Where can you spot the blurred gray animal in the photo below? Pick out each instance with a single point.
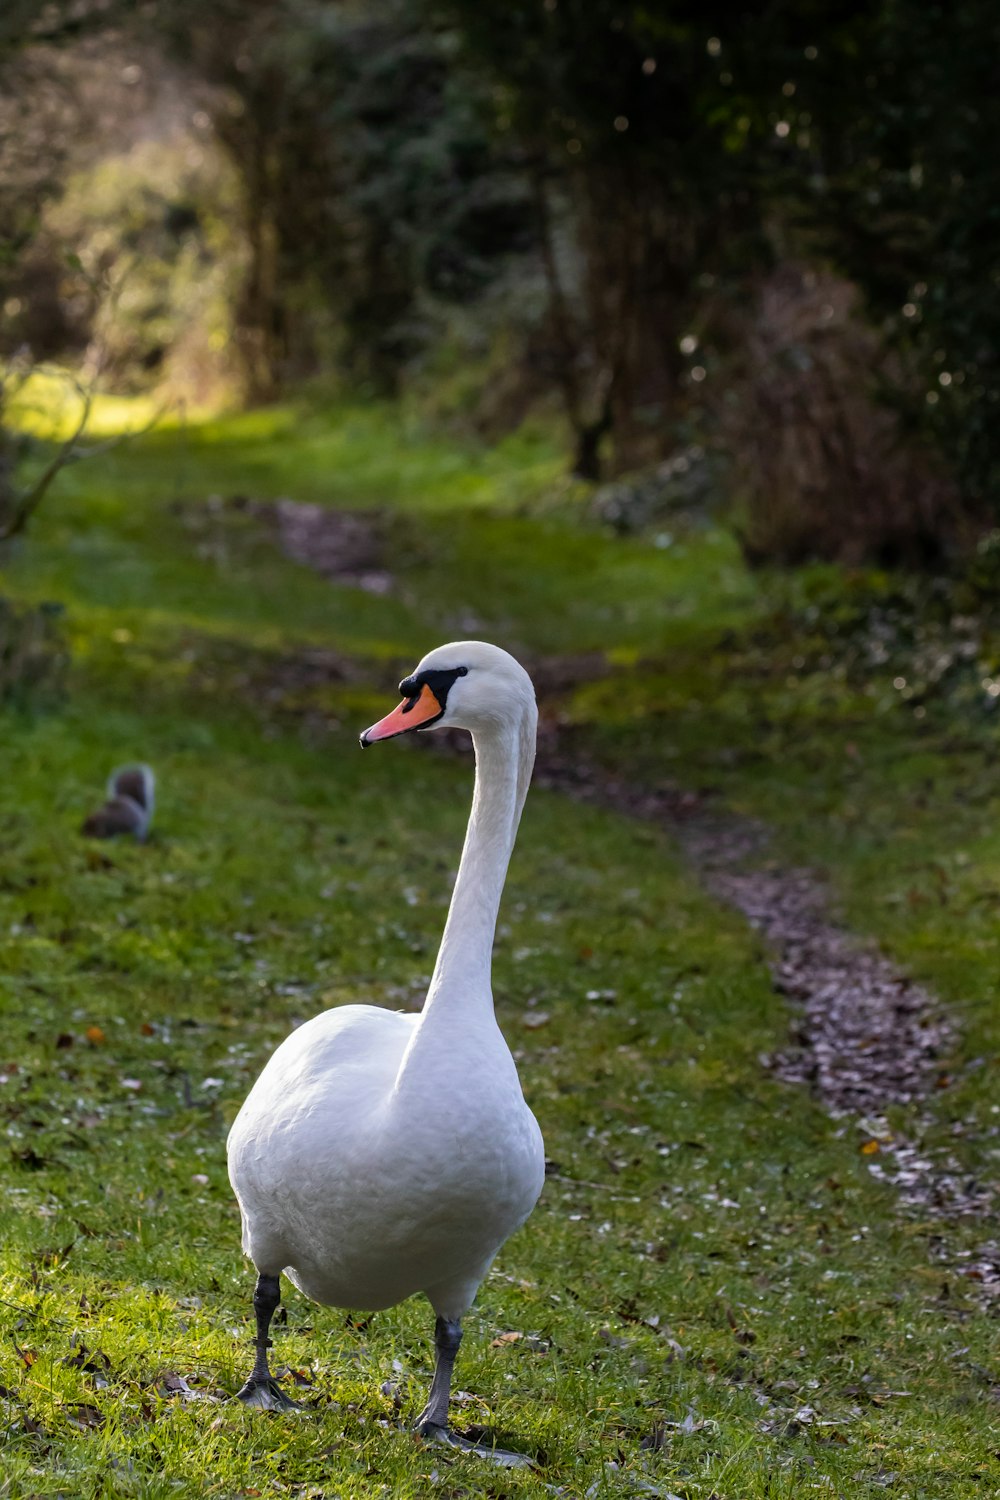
(129, 808)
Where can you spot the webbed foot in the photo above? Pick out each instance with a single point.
(433, 1432)
(266, 1395)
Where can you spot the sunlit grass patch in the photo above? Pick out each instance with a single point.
(50, 403)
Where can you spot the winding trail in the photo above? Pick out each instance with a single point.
(864, 1035)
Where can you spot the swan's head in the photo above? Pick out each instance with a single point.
(465, 685)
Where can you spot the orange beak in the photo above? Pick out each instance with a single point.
(411, 714)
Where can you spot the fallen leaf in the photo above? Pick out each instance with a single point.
(95, 1036)
(175, 1385)
(84, 1417)
(505, 1338)
(94, 1362)
(178, 1385)
(869, 1148)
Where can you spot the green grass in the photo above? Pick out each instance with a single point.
(712, 1269)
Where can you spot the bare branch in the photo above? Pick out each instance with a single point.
(20, 507)
(94, 450)
(27, 502)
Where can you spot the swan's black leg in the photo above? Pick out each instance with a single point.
(433, 1420)
(261, 1389)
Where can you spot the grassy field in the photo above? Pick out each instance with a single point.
(714, 1297)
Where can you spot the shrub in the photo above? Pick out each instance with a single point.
(823, 466)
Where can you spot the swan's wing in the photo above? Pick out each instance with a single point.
(306, 1126)
(339, 1054)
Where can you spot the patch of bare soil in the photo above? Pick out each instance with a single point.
(866, 1037)
(345, 546)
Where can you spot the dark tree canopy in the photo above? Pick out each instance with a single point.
(643, 168)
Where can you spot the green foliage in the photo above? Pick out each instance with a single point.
(661, 136)
(912, 208)
(681, 88)
(620, 177)
(372, 188)
(427, 206)
(152, 232)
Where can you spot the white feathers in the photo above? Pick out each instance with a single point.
(381, 1154)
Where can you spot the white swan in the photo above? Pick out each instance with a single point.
(381, 1154)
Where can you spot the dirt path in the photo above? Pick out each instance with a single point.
(864, 1036)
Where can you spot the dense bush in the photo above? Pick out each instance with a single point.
(821, 464)
(152, 231)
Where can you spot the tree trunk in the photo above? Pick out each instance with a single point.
(587, 460)
(260, 314)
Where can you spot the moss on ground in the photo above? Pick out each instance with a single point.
(714, 1296)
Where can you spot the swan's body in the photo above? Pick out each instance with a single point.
(364, 1193)
(381, 1154)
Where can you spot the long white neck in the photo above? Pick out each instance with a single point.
(504, 758)
(459, 1001)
